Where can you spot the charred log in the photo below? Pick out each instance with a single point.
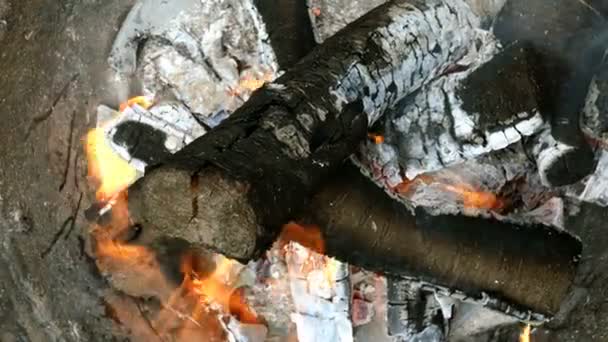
(273, 152)
(530, 266)
(460, 116)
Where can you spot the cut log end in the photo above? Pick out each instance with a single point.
(207, 209)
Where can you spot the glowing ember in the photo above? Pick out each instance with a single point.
(143, 101)
(471, 197)
(214, 289)
(525, 334)
(376, 138)
(307, 236)
(476, 199)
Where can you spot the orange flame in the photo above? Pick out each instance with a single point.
(213, 288)
(249, 83)
(376, 138)
(143, 101)
(106, 168)
(471, 197)
(134, 268)
(308, 236)
(525, 334)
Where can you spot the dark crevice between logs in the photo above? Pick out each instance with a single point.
(289, 29)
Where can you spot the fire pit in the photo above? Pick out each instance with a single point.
(343, 171)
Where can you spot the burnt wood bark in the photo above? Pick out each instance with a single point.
(568, 40)
(529, 265)
(285, 140)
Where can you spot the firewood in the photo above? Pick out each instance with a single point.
(528, 265)
(232, 189)
(273, 152)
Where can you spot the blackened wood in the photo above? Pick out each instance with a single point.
(567, 40)
(501, 90)
(288, 26)
(286, 139)
(528, 265)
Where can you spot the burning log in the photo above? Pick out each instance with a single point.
(531, 266)
(232, 189)
(273, 152)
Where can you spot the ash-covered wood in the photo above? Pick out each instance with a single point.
(477, 108)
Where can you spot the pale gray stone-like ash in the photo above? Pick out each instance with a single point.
(199, 53)
(419, 43)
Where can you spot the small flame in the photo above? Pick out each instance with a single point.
(525, 334)
(376, 138)
(106, 168)
(476, 199)
(143, 101)
(471, 197)
(308, 236)
(214, 288)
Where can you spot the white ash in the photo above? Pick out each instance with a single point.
(594, 121)
(199, 53)
(295, 286)
(321, 296)
(551, 213)
(240, 332)
(431, 36)
(547, 152)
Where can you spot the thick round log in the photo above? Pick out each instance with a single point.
(529, 265)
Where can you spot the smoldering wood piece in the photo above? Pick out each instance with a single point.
(274, 150)
(459, 117)
(530, 266)
(569, 41)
